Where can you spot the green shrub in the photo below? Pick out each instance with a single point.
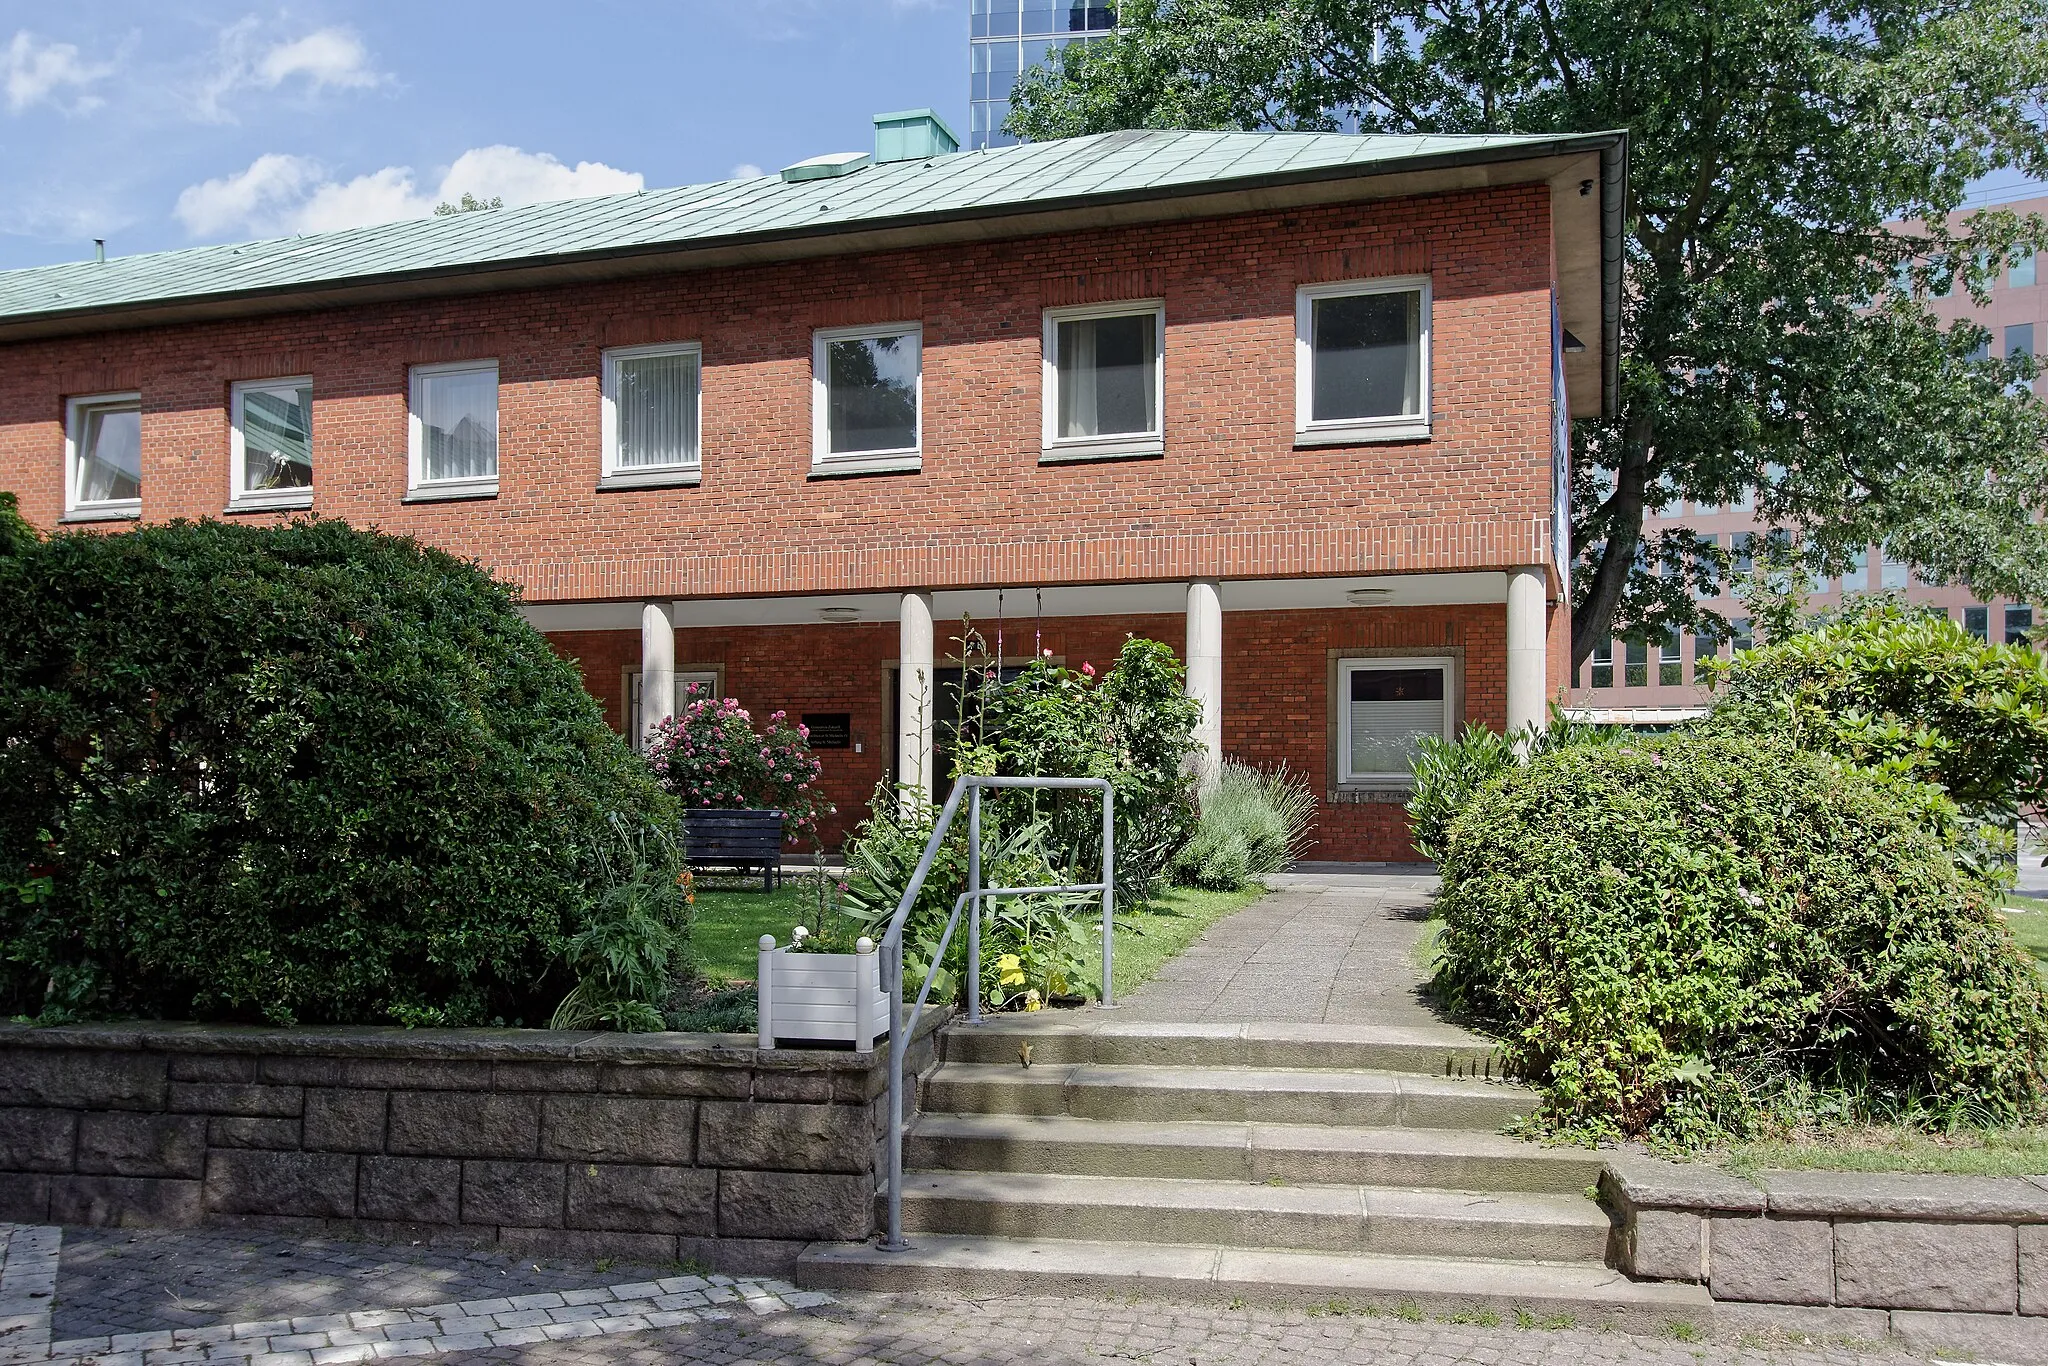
(300, 773)
(1449, 773)
(1677, 934)
(1906, 691)
(1252, 824)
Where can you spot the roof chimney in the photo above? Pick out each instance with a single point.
(913, 135)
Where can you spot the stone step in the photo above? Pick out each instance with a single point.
(1098, 1037)
(1380, 1100)
(1431, 1223)
(1455, 1159)
(1553, 1295)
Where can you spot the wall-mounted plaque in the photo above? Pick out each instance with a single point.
(829, 729)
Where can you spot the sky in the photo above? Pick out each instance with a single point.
(158, 124)
(178, 122)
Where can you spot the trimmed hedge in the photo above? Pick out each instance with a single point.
(1682, 936)
(297, 774)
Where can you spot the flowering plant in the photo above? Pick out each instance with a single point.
(710, 755)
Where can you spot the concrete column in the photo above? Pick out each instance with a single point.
(1528, 666)
(657, 668)
(916, 696)
(1205, 673)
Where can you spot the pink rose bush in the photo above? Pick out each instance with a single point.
(710, 755)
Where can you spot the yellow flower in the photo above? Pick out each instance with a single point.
(1031, 1000)
(1010, 970)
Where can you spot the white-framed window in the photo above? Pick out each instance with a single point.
(1384, 708)
(1361, 361)
(1105, 383)
(270, 437)
(103, 456)
(867, 398)
(691, 685)
(454, 430)
(653, 402)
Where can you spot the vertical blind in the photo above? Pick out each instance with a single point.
(1390, 710)
(656, 398)
(459, 419)
(277, 438)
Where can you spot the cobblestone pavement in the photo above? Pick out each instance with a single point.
(264, 1300)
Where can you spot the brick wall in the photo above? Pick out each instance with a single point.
(1231, 497)
(1275, 687)
(579, 1144)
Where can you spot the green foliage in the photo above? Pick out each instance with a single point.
(1449, 773)
(710, 755)
(1134, 726)
(1252, 824)
(16, 535)
(1690, 936)
(634, 941)
(1049, 935)
(1777, 335)
(299, 774)
(1907, 692)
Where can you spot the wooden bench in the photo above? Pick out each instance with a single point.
(739, 839)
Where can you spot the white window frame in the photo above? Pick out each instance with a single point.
(823, 462)
(1356, 430)
(629, 694)
(1054, 447)
(615, 475)
(1380, 664)
(240, 495)
(418, 487)
(104, 509)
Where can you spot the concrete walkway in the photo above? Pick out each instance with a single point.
(1330, 945)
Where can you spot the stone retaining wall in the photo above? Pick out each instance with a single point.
(652, 1147)
(1940, 1261)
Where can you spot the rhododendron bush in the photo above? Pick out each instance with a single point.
(710, 755)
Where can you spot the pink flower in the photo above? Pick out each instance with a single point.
(1087, 668)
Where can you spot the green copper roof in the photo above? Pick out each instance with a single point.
(1110, 166)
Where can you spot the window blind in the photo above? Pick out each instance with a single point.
(1389, 711)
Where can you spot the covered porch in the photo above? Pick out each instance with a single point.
(1332, 676)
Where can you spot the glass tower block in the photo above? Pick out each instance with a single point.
(1009, 36)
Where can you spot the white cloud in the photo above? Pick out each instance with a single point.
(743, 171)
(38, 72)
(330, 58)
(280, 194)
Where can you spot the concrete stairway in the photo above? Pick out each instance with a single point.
(1265, 1161)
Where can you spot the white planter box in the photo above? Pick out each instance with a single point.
(821, 997)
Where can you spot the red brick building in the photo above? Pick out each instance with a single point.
(1288, 402)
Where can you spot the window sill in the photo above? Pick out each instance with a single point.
(673, 477)
(1115, 448)
(455, 490)
(127, 510)
(843, 466)
(1362, 434)
(299, 500)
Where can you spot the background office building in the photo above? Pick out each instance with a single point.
(1006, 36)
(1657, 681)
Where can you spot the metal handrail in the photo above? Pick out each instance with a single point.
(901, 1031)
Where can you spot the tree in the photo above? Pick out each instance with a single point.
(469, 203)
(1777, 333)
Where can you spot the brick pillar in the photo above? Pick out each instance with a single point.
(915, 697)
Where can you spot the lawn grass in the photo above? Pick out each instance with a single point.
(2027, 918)
(1969, 1152)
(731, 919)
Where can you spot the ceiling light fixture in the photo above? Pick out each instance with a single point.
(1366, 597)
(840, 614)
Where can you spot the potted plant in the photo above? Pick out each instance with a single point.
(744, 792)
(805, 992)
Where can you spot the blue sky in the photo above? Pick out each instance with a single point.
(159, 125)
(174, 122)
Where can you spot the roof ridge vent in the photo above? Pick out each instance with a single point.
(826, 167)
(913, 135)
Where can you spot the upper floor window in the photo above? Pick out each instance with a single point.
(271, 435)
(1103, 380)
(652, 397)
(455, 430)
(2019, 624)
(866, 384)
(1362, 361)
(1388, 706)
(2023, 270)
(103, 456)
